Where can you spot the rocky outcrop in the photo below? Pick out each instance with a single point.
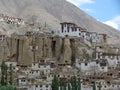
(27, 49)
(58, 47)
(66, 52)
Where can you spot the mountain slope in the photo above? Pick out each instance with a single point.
(55, 11)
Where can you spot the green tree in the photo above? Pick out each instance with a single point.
(4, 78)
(61, 87)
(64, 86)
(3, 73)
(8, 87)
(69, 87)
(55, 83)
(11, 75)
(100, 86)
(74, 83)
(94, 86)
(6, 75)
(79, 84)
(3, 88)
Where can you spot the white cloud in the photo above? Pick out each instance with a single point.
(115, 22)
(80, 2)
(88, 10)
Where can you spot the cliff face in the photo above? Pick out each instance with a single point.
(54, 12)
(26, 49)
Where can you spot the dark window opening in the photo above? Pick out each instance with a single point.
(68, 29)
(86, 64)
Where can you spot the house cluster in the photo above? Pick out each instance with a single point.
(11, 20)
(71, 29)
(101, 62)
(36, 76)
(103, 68)
(39, 75)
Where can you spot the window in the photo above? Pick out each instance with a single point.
(72, 29)
(65, 25)
(68, 29)
(62, 28)
(86, 64)
(83, 36)
(14, 68)
(22, 80)
(47, 86)
(102, 67)
(75, 29)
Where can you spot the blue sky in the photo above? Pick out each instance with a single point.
(106, 11)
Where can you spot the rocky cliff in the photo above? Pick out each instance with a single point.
(28, 49)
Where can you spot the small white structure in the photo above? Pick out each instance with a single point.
(107, 85)
(103, 67)
(92, 66)
(86, 35)
(13, 63)
(70, 29)
(41, 86)
(42, 67)
(112, 59)
(22, 80)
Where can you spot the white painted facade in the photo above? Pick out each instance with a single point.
(70, 29)
(22, 81)
(12, 20)
(43, 68)
(91, 66)
(106, 86)
(1, 19)
(14, 65)
(39, 87)
(102, 67)
(112, 61)
(8, 63)
(86, 35)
